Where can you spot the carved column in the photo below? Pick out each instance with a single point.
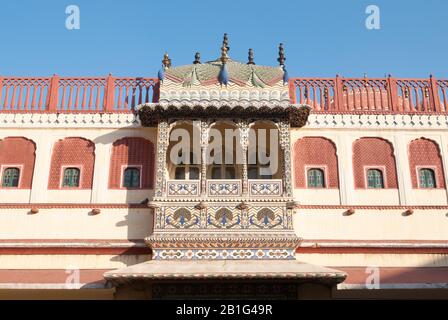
(205, 129)
(163, 140)
(285, 145)
(243, 127)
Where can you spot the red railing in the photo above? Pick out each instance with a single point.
(120, 94)
(64, 94)
(382, 95)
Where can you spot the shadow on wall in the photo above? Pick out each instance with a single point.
(133, 148)
(424, 281)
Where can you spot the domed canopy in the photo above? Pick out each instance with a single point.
(240, 74)
(223, 88)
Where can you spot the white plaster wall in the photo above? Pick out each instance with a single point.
(15, 195)
(377, 260)
(317, 196)
(76, 223)
(376, 196)
(371, 224)
(427, 197)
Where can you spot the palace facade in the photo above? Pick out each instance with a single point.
(92, 204)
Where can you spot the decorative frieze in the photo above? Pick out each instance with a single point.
(224, 254)
(69, 120)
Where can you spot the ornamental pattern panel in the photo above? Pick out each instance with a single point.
(267, 218)
(183, 188)
(224, 218)
(265, 188)
(224, 188)
(226, 254)
(180, 218)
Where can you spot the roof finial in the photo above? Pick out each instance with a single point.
(197, 58)
(224, 49)
(281, 55)
(166, 61)
(251, 57)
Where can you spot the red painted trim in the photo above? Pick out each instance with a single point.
(75, 251)
(73, 205)
(50, 275)
(73, 247)
(373, 207)
(358, 275)
(95, 241)
(143, 206)
(355, 275)
(375, 241)
(369, 250)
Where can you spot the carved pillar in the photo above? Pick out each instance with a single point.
(285, 145)
(243, 127)
(163, 140)
(205, 129)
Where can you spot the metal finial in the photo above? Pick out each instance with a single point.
(225, 42)
(281, 55)
(166, 61)
(224, 49)
(251, 57)
(197, 58)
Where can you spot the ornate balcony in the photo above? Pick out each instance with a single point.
(270, 188)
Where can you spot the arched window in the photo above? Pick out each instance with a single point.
(221, 170)
(427, 178)
(11, 178)
(316, 178)
(375, 179)
(258, 170)
(71, 177)
(187, 171)
(131, 178)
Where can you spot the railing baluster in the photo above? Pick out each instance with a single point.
(27, 96)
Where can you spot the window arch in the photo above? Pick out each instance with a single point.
(319, 152)
(71, 177)
(20, 153)
(315, 178)
(427, 178)
(187, 170)
(425, 154)
(132, 152)
(374, 153)
(131, 177)
(375, 179)
(72, 153)
(11, 177)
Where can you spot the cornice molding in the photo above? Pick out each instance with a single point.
(69, 120)
(376, 121)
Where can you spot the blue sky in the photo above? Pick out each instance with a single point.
(128, 38)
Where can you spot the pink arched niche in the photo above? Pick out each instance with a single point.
(374, 153)
(319, 152)
(18, 152)
(425, 153)
(132, 151)
(72, 152)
